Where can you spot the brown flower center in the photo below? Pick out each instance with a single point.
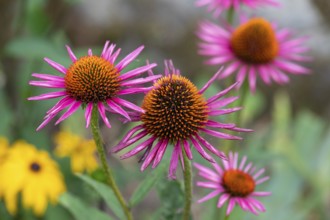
(35, 167)
(238, 183)
(255, 41)
(174, 109)
(92, 79)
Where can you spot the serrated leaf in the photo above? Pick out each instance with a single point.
(80, 210)
(146, 185)
(106, 193)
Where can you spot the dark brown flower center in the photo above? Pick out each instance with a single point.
(35, 167)
(92, 79)
(238, 183)
(255, 41)
(174, 109)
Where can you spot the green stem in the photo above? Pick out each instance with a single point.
(187, 187)
(226, 217)
(230, 15)
(100, 149)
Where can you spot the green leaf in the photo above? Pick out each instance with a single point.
(172, 199)
(146, 185)
(80, 210)
(106, 193)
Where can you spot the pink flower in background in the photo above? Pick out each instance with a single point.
(233, 184)
(93, 81)
(218, 6)
(255, 48)
(176, 113)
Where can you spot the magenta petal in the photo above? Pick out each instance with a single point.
(261, 194)
(129, 58)
(116, 108)
(60, 105)
(49, 95)
(206, 170)
(88, 114)
(207, 85)
(186, 147)
(140, 80)
(223, 102)
(105, 48)
(216, 124)
(127, 104)
(45, 122)
(114, 56)
(129, 134)
(220, 94)
(151, 156)
(224, 111)
(262, 180)
(230, 206)
(73, 108)
(220, 134)
(252, 79)
(208, 185)
(174, 160)
(56, 66)
(210, 147)
(101, 109)
(209, 196)
(201, 151)
(230, 69)
(47, 84)
(138, 148)
(137, 71)
(48, 77)
(160, 153)
(134, 90)
(132, 140)
(222, 200)
(71, 54)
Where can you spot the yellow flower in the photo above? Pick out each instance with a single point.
(81, 151)
(32, 173)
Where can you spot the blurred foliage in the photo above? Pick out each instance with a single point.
(295, 149)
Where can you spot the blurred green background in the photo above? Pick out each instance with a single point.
(291, 138)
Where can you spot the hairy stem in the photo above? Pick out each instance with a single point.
(187, 187)
(108, 172)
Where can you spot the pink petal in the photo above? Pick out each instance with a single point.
(151, 155)
(160, 153)
(137, 71)
(88, 114)
(73, 108)
(116, 108)
(49, 95)
(201, 151)
(174, 160)
(71, 54)
(138, 148)
(127, 104)
(129, 58)
(56, 66)
(101, 109)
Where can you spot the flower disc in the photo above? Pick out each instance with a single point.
(255, 41)
(238, 183)
(92, 79)
(174, 109)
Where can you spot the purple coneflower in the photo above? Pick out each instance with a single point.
(218, 6)
(254, 48)
(93, 80)
(233, 184)
(176, 113)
